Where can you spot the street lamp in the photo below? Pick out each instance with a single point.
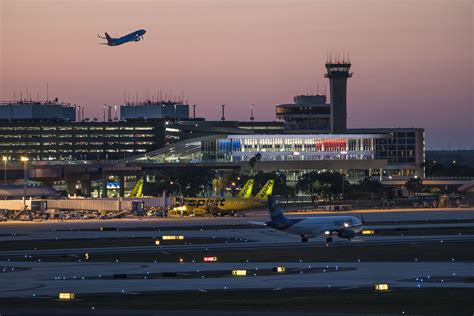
(25, 161)
(104, 106)
(5, 158)
(343, 179)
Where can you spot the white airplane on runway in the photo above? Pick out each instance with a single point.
(307, 227)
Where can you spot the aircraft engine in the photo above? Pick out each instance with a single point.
(347, 234)
(137, 39)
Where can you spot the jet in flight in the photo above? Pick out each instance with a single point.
(132, 37)
(307, 227)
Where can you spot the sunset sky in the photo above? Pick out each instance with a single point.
(412, 60)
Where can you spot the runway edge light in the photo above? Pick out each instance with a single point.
(381, 287)
(157, 242)
(172, 237)
(67, 296)
(209, 259)
(239, 272)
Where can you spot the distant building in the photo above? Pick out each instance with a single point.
(308, 113)
(154, 110)
(468, 191)
(311, 113)
(312, 135)
(355, 155)
(64, 140)
(179, 130)
(404, 149)
(33, 110)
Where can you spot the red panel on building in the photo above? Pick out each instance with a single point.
(331, 145)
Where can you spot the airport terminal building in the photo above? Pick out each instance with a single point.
(61, 141)
(311, 134)
(378, 154)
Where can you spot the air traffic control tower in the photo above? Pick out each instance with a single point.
(337, 73)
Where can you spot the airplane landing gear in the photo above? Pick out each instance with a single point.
(329, 239)
(304, 239)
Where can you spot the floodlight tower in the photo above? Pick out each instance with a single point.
(337, 73)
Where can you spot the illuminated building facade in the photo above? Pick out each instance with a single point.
(291, 147)
(312, 135)
(69, 141)
(36, 110)
(356, 155)
(309, 112)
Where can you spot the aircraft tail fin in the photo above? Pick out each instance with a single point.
(108, 37)
(266, 190)
(138, 189)
(246, 190)
(276, 214)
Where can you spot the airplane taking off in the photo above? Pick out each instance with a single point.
(307, 227)
(132, 37)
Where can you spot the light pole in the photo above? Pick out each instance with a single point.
(25, 161)
(252, 106)
(5, 158)
(223, 112)
(343, 179)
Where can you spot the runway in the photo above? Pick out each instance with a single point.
(37, 278)
(357, 242)
(48, 279)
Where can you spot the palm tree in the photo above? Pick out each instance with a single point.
(255, 160)
(252, 162)
(258, 157)
(413, 184)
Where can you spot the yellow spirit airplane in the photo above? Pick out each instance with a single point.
(221, 206)
(246, 191)
(137, 189)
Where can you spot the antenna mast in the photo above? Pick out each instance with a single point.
(223, 112)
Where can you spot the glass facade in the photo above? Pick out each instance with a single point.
(290, 147)
(402, 147)
(309, 112)
(42, 140)
(397, 147)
